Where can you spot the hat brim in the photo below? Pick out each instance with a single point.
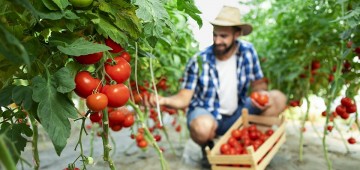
(246, 28)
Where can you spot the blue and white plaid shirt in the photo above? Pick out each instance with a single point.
(205, 80)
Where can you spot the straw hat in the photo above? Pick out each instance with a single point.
(230, 16)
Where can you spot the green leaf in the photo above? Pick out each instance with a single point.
(22, 96)
(6, 96)
(16, 142)
(11, 48)
(62, 4)
(65, 83)
(54, 108)
(105, 28)
(125, 19)
(49, 4)
(82, 47)
(38, 14)
(189, 7)
(154, 16)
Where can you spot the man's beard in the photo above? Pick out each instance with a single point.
(218, 52)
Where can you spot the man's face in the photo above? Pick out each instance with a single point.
(224, 39)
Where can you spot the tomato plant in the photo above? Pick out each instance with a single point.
(48, 54)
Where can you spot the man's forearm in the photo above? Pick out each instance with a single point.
(259, 85)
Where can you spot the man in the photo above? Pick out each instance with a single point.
(217, 80)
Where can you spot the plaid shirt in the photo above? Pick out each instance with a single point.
(201, 75)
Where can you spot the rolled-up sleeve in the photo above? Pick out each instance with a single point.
(190, 75)
(256, 70)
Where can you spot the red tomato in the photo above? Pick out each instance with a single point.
(315, 65)
(117, 117)
(349, 44)
(162, 84)
(97, 102)
(118, 94)
(86, 84)
(351, 109)
(112, 44)
(118, 69)
(252, 128)
(329, 128)
(331, 78)
(225, 148)
(263, 100)
(340, 109)
(178, 128)
(357, 50)
(90, 58)
(157, 137)
(346, 102)
(142, 144)
(269, 132)
(126, 56)
(255, 96)
(352, 140)
(116, 128)
(137, 97)
(236, 133)
(139, 137)
(96, 117)
(294, 103)
(253, 135)
(129, 120)
(344, 115)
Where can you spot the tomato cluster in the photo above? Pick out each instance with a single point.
(346, 107)
(242, 138)
(262, 99)
(107, 91)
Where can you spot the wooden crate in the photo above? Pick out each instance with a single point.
(265, 152)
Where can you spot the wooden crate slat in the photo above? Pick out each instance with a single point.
(272, 153)
(216, 167)
(269, 143)
(230, 159)
(265, 120)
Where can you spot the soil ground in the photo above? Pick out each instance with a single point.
(186, 154)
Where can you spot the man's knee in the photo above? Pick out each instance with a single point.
(203, 128)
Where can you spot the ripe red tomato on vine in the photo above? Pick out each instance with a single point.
(97, 102)
(118, 69)
(118, 94)
(85, 84)
(116, 48)
(90, 58)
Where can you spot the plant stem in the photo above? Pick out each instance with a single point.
(83, 157)
(342, 137)
(34, 142)
(105, 138)
(6, 158)
(302, 128)
(149, 135)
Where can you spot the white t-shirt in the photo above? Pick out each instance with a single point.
(228, 85)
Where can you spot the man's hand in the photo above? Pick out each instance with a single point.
(153, 100)
(261, 99)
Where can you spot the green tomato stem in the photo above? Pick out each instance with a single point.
(34, 142)
(105, 138)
